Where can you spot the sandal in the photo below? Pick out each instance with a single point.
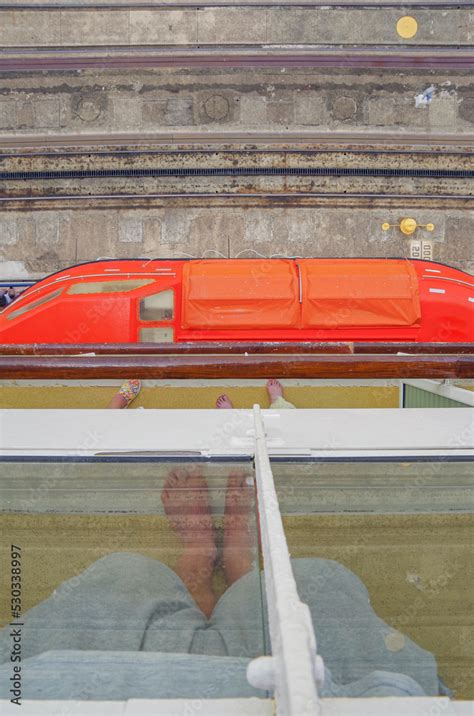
(130, 389)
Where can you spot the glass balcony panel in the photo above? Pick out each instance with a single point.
(382, 554)
(138, 578)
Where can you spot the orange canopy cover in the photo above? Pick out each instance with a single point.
(253, 293)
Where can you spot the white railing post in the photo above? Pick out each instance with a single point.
(294, 668)
(401, 393)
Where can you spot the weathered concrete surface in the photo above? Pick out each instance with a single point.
(42, 242)
(150, 101)
(291, 186)
(232, 25)
(373, 155)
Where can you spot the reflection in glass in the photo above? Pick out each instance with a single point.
(382, 554)
(139, 579)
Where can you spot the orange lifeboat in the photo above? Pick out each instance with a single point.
(136, 300)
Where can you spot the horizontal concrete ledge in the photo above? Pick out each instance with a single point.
(187, 140)
(144, 5)
(270, 198)
(225, 366)
(236, 201)
(183, 25)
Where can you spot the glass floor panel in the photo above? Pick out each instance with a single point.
(149, 566)
(382, 554)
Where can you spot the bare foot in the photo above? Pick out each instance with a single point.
(223, 401)
(274, 389)
(186, 501)
(126, 394)
(239, 539)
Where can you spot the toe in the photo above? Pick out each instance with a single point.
(182, 476)
(173, 477)
(237, 479)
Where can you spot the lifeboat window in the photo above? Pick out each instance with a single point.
(107, 286)
(158, 307)
(33, 304)
(156, 335)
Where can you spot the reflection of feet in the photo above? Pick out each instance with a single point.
(126, 394)
(239, 540)
(274, 389)
(223, 401)
(186, 501)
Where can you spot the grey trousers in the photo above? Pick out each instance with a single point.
(126, 603)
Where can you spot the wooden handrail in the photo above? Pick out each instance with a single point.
(194, 348)
(236, 366)
(415, 348)
(222, 348)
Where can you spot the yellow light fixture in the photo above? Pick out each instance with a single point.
(408, 226)
(407, 27)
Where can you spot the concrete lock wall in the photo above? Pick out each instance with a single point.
(254, 100)
(165, 100)
(234, 25)
(35, 243)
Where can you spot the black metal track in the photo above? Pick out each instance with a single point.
(247, 56)
(235, 171)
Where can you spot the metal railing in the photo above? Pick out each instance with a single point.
(294, 670)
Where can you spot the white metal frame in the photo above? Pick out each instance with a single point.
(294, 668)
(442, 388)
(208, 433)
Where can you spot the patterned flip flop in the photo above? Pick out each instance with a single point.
(130, 389)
